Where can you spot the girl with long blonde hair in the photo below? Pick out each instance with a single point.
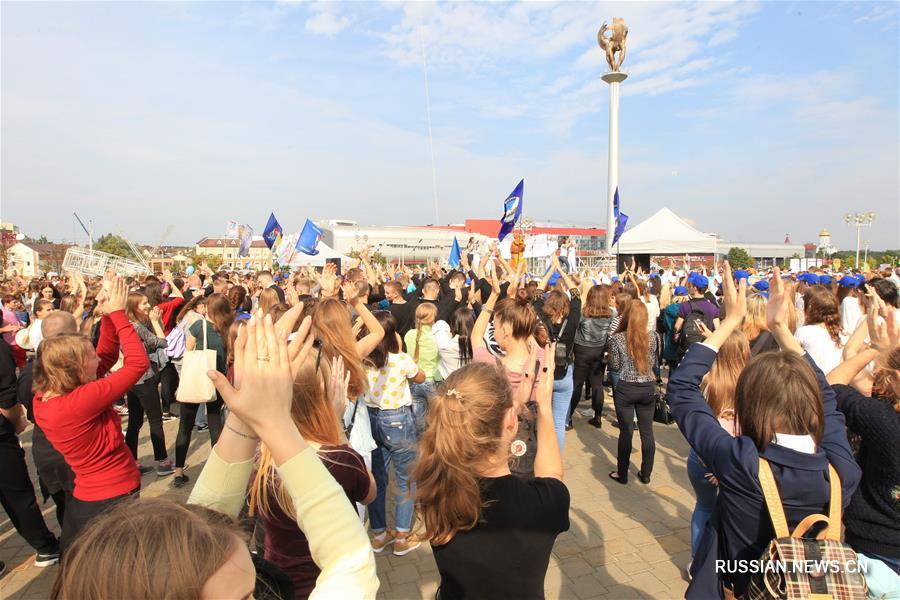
(491, 532)
(421, 345)
(633, 353)
(316, 412)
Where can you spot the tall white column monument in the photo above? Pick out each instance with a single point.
(612, 41)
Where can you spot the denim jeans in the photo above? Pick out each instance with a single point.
(421, 396)
(706, 494)
(395, 434)
(614, 379)
(562, 398)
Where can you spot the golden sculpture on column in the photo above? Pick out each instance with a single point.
(614, 42)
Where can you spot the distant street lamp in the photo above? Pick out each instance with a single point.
(859, 220)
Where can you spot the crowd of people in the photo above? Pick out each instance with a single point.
(452, 386)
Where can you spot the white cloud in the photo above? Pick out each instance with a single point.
(325, 20)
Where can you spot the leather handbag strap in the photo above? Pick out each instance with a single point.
(834, 506)
(773, 500)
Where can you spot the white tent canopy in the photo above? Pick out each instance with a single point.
(325, 252)
(666, 233)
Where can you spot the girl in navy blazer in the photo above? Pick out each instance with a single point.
(788, 416)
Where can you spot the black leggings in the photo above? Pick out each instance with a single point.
(630, 398)
(589, 367)
(168, 378)
(144, 398)
(186, 427)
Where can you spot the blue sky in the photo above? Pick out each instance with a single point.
(750, 120)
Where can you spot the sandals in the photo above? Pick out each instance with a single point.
(614, 475)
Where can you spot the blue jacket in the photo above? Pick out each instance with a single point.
(740, 527)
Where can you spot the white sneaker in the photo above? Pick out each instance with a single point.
(586, 412)
(688, 570)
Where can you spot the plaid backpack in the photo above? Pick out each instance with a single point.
(793, 566)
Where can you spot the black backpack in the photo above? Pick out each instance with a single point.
(690, 329)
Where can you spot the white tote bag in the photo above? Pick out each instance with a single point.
(195, 385)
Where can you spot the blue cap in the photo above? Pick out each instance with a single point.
(680, 290)
(761, 286)
(861, 278)
(275, 277)
(700, 282)
(740, 274)
(764, 295)
(614, 278)
(824, 280)
(654, 275)
(553, 279)
(848, 281)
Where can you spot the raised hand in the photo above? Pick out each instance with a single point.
(778, 306)
(116, 296)
(351, 293)
(337, 388)
(328, 279)
(735, 296)
(155, 314)
(263, 398)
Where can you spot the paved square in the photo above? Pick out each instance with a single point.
(624, 541)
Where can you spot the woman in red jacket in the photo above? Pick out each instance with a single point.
(74, 408)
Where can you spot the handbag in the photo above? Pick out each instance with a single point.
(797, 566)
(661, 412)
(195, 385)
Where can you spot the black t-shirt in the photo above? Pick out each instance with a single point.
(507, 553)
(7, 386)
(405, 314)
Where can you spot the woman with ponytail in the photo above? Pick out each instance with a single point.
(421, 345)
(515, 326)
(491, 532)
(316, 417)
(821, 335)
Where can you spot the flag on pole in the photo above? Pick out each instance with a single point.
(272, 232)
(621, 219)
(286, 251)
(512, 211)
(232, 229)
(455, 254)
(309, 239)
(620, 227)
(245, 233)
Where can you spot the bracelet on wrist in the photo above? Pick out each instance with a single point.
(240, 433)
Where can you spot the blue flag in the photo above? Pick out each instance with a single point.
(512, 211)
(621, 221)
(454, 254)
(272, 232)
(309, 239)
(620, 218)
